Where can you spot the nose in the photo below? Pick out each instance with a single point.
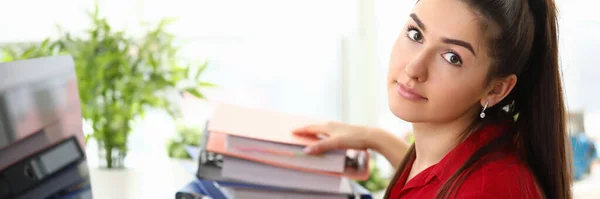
(417, 68)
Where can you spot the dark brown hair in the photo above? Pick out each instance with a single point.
(522, 38)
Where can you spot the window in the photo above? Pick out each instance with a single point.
(272, 54)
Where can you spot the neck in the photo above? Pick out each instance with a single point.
(434, 140)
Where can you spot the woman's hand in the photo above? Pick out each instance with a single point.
(346, 136)
(339, 136)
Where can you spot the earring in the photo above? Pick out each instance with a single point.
(482, 115)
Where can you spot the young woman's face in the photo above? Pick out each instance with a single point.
(438, 66)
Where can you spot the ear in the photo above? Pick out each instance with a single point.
(499, 89)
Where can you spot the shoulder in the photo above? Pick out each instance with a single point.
(505, 177)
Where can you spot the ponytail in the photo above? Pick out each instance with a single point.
(541, 121)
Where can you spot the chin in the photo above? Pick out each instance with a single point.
(407, 114)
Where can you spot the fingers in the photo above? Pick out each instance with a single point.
(312, 130)
(324, 146)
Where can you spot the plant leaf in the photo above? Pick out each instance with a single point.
(196, 93)
(201, 70)
(207, 84)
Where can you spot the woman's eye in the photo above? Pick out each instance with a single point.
(415, 35)
(452, 58)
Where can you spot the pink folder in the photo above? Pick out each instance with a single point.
(266, 125)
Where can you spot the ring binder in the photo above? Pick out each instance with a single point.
(38, 167)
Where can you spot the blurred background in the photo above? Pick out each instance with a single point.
(322, 58)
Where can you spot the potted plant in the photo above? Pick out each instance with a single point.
(120, 77)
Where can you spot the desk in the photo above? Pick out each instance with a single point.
(161, 178)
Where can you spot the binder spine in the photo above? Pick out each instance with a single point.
(40, 166)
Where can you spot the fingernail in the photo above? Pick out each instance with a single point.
(297, 131)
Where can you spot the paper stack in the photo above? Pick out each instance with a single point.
(252, 153)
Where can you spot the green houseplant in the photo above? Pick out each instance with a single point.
(120, 77)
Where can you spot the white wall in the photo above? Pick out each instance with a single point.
(580, 36)
(282, 55)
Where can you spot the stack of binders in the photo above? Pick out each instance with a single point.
(41, 132)
(58, 170)
(252, 153)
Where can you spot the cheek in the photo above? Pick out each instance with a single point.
(399, 57)
(451, 97)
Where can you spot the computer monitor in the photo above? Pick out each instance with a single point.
(40, 113)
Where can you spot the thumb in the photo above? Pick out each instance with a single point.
(324, 146)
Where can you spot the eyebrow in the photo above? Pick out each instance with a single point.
(418, 21)
(465, 44)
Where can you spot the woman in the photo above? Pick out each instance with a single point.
(479, 81)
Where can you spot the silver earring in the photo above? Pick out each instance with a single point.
(482, 115)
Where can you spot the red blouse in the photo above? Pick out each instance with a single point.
(501, 178)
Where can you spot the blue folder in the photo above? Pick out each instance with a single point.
(200, 189)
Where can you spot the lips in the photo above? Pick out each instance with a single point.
(408, 93)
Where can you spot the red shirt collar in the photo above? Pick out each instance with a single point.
(444, 169)
(459, 155)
